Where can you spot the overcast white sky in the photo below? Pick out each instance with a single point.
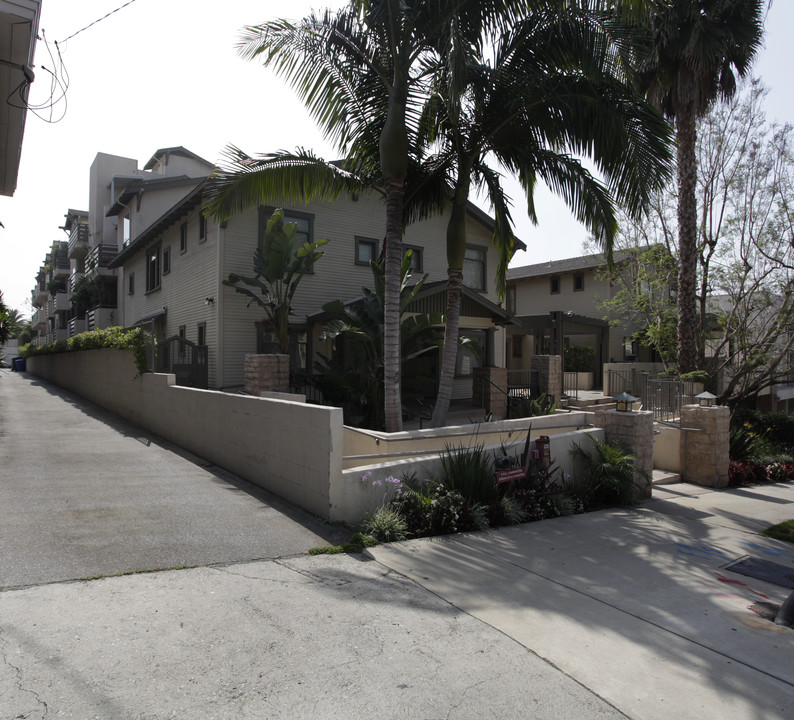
(161, 73)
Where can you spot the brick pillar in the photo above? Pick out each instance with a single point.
(492, 399)
(266, 372)
(707, 444)
(634, 431)
(549, 369)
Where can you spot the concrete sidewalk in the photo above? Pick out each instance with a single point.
(635, 604)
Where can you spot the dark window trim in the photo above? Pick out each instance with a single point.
(183, 238)
(360, 240)
(158, 248)
(166, 259)
(510, 299)
(201, 329)
(202, 227)
(131, 284)
(552, 280)
(575, 276)
(484, 279)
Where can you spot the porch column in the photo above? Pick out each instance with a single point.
(707, 444)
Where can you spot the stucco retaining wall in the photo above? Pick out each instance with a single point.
(289, 448)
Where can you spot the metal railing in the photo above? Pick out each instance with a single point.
(101, 255)
(570, 385)
(523, 383)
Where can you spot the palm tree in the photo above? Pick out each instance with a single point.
(693, 51)
(363, 73)
(555, 85)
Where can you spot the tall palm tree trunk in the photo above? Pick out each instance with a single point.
(450, 354)
(391, 306)
(687, 239)
(456, 252)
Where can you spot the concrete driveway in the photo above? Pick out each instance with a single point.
(637, 605)
(84, 494)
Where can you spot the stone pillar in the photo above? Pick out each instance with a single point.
(492, 399)
(266, 372)
(634, 431)
(549, 369)
(707, 445)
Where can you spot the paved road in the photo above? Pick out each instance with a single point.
(84, 494)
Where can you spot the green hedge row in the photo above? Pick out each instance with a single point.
(115, 338)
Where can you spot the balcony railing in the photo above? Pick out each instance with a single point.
(62, 303)
(101, 317)
(77, 326)
(101, 255)
(78, 241)
(75, 277)
(60, 267)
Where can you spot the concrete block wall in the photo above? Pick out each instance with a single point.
(266, 373)
(292, 449)
(549, 369)
(707, 445)
(633, 430)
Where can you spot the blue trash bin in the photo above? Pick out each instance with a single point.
(19, 364)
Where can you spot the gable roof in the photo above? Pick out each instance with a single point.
(557, 267)
(177, 151)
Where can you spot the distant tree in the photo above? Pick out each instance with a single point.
(694, 51)
(744, 257)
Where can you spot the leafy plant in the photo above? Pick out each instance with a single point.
(136, 340)
(579, 358)
(469, 471)
(386, 525)
(357, 382)
(609, 474)
(279, 266)
(528, 407)
(747, 442)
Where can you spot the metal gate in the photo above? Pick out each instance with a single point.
(664, 397)
(184, 359)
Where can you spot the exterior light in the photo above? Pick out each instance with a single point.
(706, 399)
(209, 300)
(624, 402)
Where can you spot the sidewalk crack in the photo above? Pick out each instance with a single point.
(17, 671)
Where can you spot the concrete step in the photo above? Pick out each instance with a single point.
(665, 477)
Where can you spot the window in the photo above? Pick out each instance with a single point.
(182, 336)
(202, 334)
(578, 282)
(131, 284)
(554, 285)
(166, 260)
(417, 258)
(510, 297)
(474, 268)
(202, 227)
(153, 268)
(366, 250)
(304, 221)
(183, 238)
(126, 230)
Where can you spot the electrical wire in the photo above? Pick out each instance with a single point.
(99, 20)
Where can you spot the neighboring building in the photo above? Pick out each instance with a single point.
(19, 25)
(76, 290)
(559, 303)
(167, 262)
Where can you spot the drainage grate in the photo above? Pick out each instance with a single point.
(765, 570)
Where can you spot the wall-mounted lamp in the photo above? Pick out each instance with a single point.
(624, 402)
(209, 300)
(706, 399)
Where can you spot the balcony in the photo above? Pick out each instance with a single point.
(99, 258)
(74, 278)
(49, 308)
(101, 317)
(39, 295)
(62, 303)
(60, 268)
(39, 319)
(60, 333)
(78, 242)
(77, 326)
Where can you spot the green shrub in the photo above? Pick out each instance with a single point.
(698, 376)
(527, 407)
(609, 474)
(116, 338)
(386, 525)
(579, 358)
(469, 471)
